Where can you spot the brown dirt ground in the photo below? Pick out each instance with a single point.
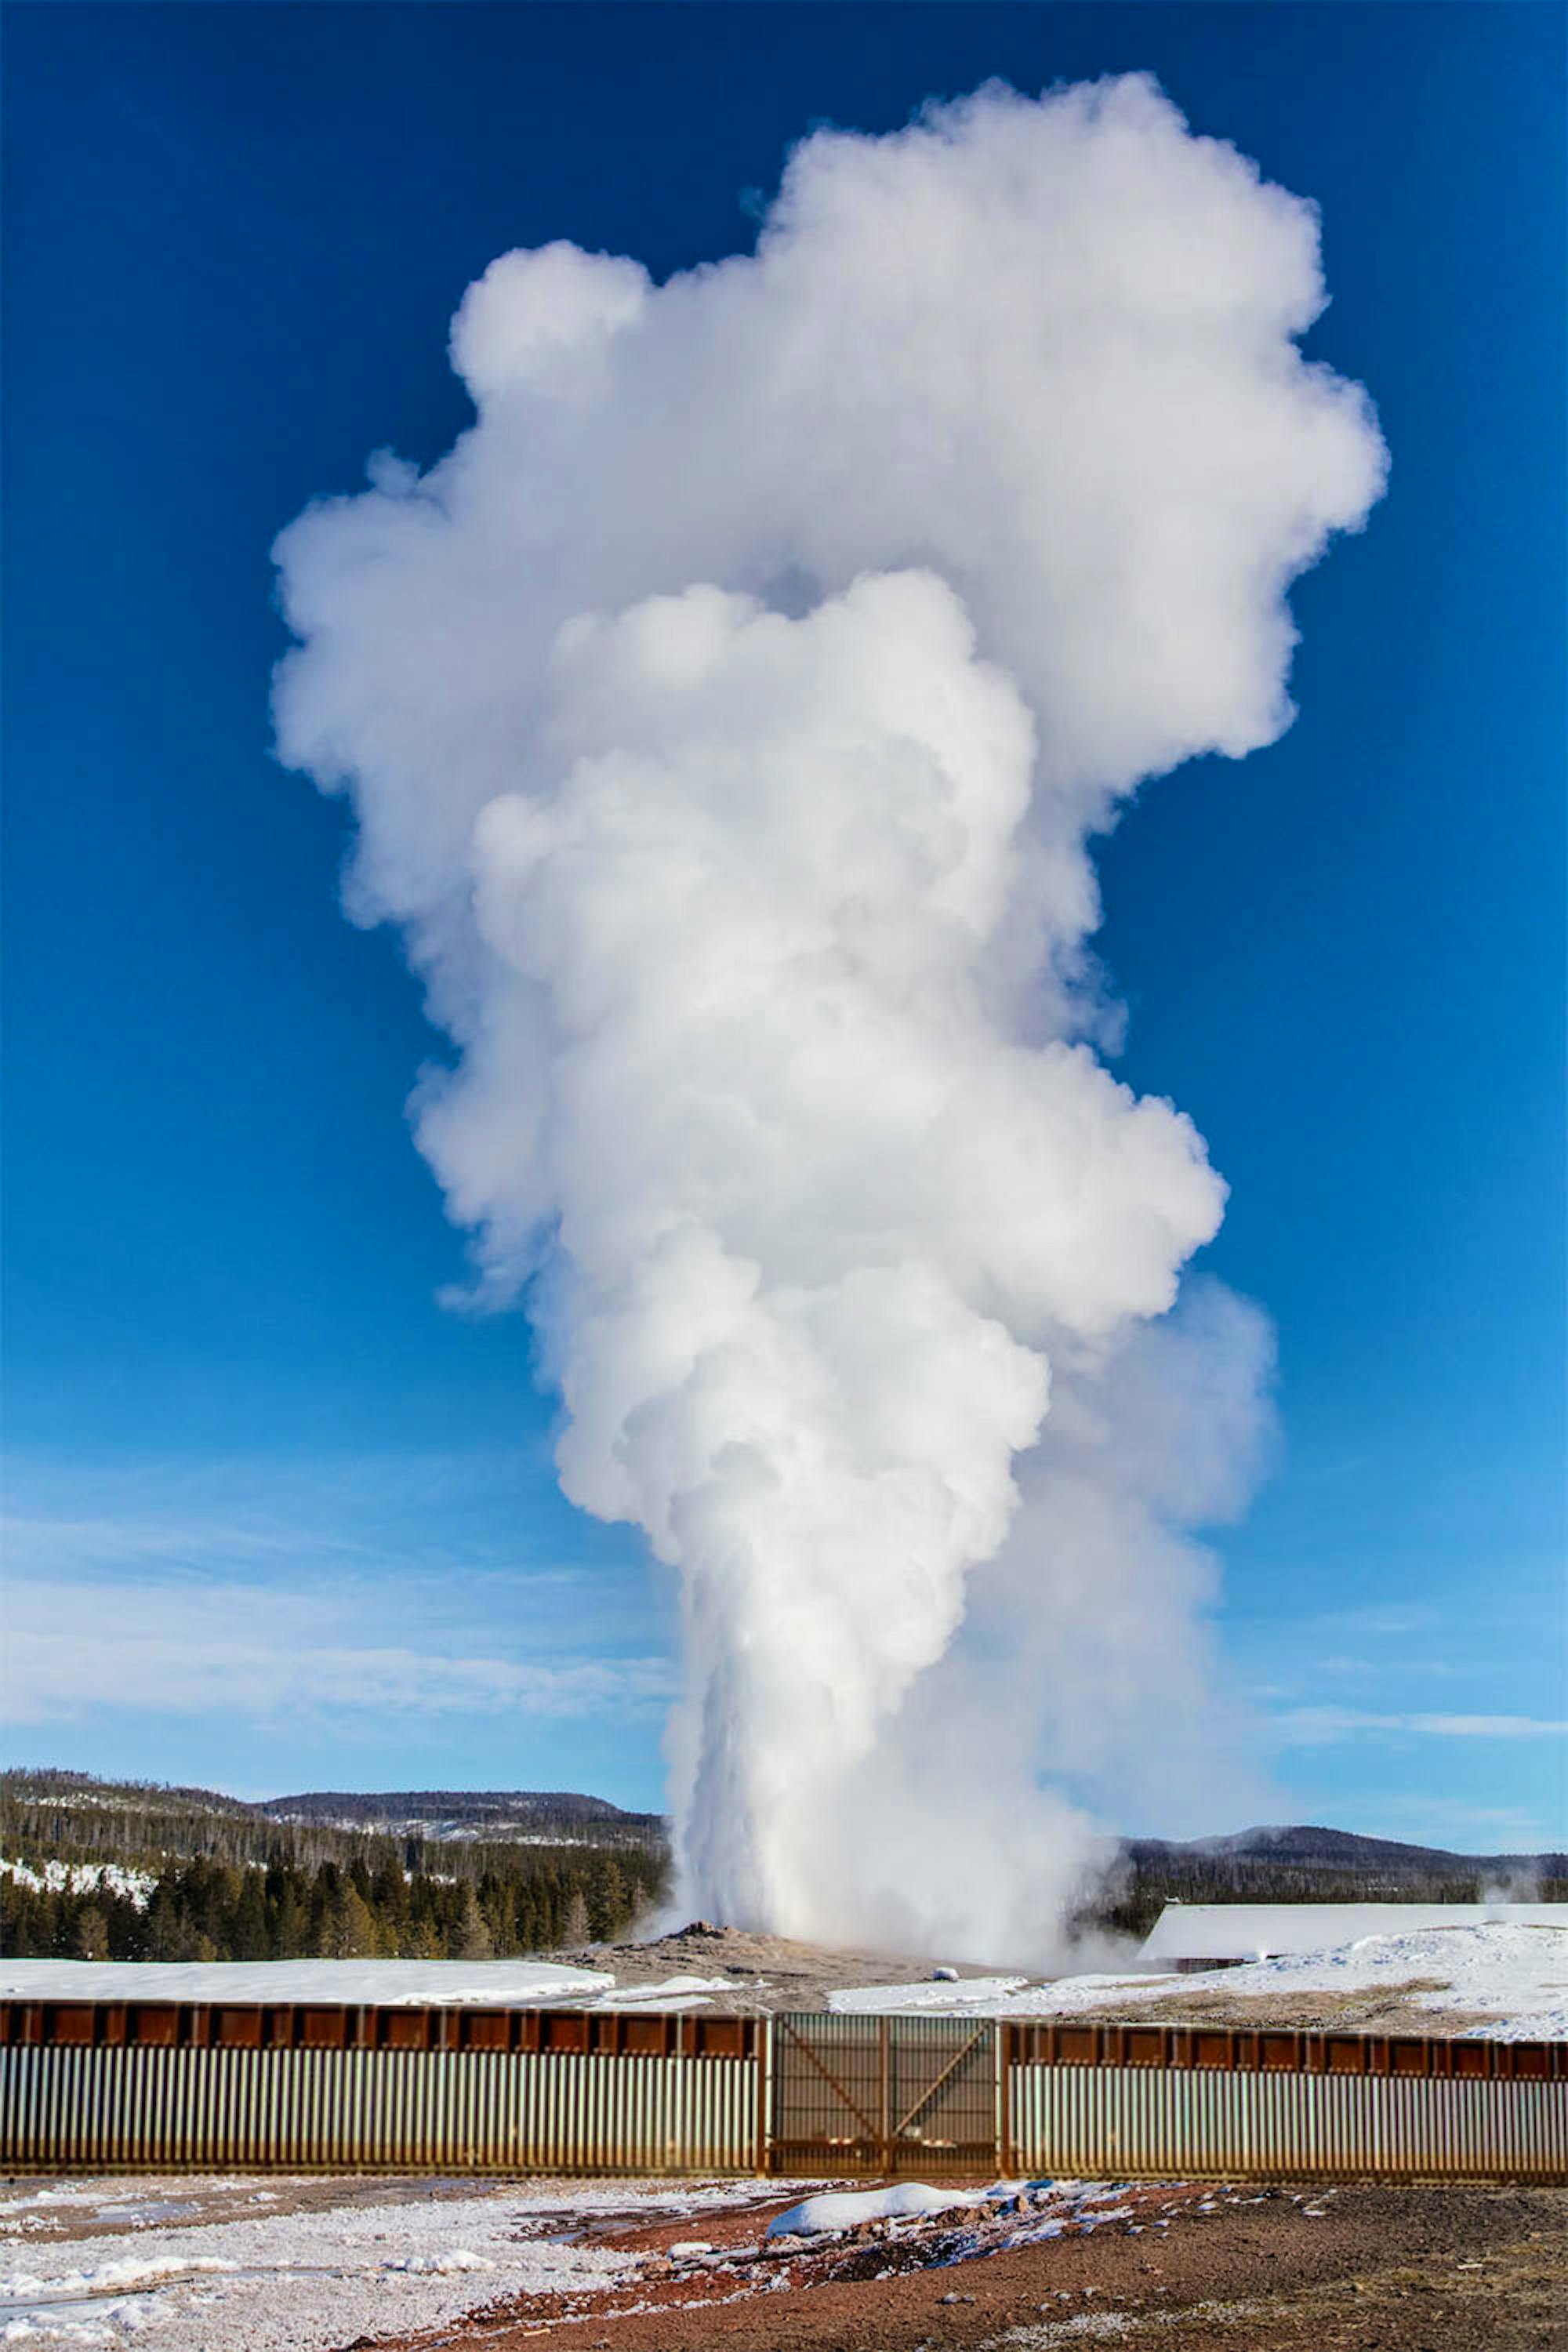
(769, 1972)
(1375, 2009)
(1352, 2269)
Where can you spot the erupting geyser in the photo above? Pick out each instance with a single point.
(727, 717)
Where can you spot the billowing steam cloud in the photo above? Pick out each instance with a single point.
(727, 717)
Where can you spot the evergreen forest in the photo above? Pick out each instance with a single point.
(185, 1874)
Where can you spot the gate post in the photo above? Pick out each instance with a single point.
(886, 2118)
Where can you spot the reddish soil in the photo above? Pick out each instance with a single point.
(1236, 2270)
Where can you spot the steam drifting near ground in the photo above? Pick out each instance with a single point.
(727, 718)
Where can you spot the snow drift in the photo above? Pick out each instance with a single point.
(727, 718)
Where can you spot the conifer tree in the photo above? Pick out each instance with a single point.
(89, 1935)
(250, 1936)
(469, 1938)
(352, 1931)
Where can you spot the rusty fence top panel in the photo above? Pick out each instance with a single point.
(300, 2025)
(1268, 2050)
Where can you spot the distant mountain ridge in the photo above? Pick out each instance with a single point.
(563, 1837)
(53, 1784)
(554, 1814)
(1307, 1863)
(48, 1814)
(137, 1870)
(1313, 1848)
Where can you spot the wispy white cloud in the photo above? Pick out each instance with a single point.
(1515, 1828)
(1379, 1623)
(172, 1648)
(422, 1546)
(64, 1517)
(171, 1538)
(1322, 1727)
(1344, 1666)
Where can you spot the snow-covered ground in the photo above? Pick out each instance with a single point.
(83, 1878)
(847, 2209)
(1520, 1974)
(994, 1996)
(940, 1998)
(290, 2281)
(675, 1992)
(437, 1832)
(387, 1982)
(236, 2264)
(958, 2224)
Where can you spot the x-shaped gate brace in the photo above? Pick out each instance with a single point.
(880, 2132)
(929, 2093)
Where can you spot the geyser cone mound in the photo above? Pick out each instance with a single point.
(737, 1971)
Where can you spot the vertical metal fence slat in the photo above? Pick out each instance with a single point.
(1091, 2120)
(837, 2093)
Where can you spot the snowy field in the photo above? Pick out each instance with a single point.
(215, 2264)
(383, 1983)
(1518, 1975)
(237, 2264)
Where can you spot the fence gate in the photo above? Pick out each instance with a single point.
(884, 2094)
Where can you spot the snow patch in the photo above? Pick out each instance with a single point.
(105, 2278)
(441, 2266)
(825, 2216)
(83, 1878)
(401, 2259)
(675, 1992)
(943, 1993)
(386, 1983)
(1515, 1973)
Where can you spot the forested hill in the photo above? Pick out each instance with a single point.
(447, 1814)
(1377, 1864)
(71, 1816)
(1309, 1865)
(136, 1870)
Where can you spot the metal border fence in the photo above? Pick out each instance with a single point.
(165, 2085)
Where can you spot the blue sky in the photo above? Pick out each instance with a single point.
(278, 1520)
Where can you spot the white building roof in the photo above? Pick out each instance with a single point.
(1255, 1931)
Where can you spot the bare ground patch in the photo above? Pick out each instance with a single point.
(1373, 2009)
(1174, 2269)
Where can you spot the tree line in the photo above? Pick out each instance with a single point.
(199, 1909)
(561, 1816)
(1131, 1898)
(70, 1817)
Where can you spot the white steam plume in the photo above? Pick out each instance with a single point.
(726, 717)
